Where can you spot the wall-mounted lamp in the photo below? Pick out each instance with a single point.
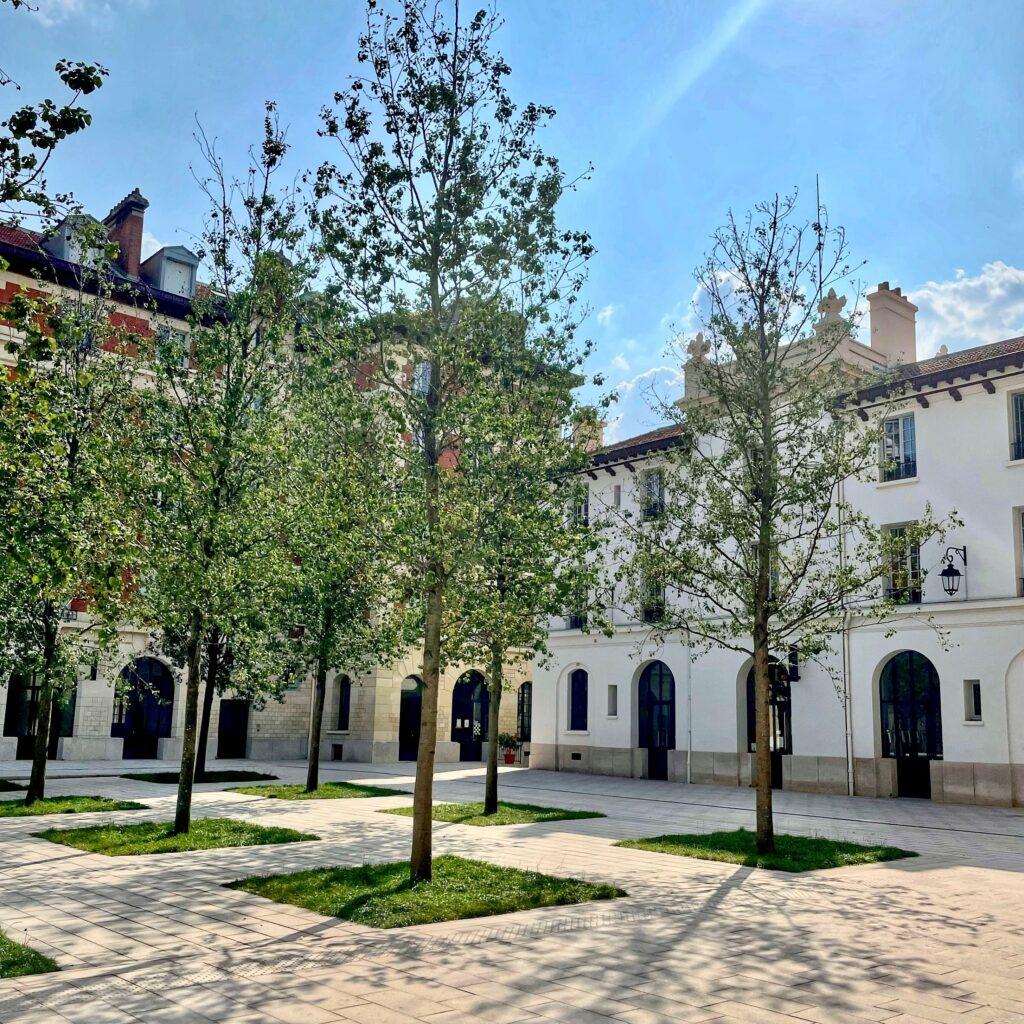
(951, 575)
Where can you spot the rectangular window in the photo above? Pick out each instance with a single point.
(613, 700)
(617, 495)
(581, 514)
(1020, 552)
(972, 700)
(899, 448)
(344, 703)
(578, 683)
(1017, 438)
(904, 583)
(654, 602)
(652, 497)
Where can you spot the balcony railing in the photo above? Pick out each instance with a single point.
(1017, 449)
(899, 469)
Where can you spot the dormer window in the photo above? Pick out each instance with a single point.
(899, 448)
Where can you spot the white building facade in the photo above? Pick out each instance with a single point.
(935, 710)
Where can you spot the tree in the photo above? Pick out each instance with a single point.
(343, 608)
(754, 537)
(65, 411)
(444, 204)
(534, 550)
(31, 133)
(211, 448)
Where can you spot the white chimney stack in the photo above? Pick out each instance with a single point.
(893, 324)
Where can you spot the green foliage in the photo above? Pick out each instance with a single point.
(32, 132)
(380, 895)
(66, 411)
(171, 778)
(17, 961)
(325, 791)
(160, 837)
(66, 805)
(507, 814)
(791, 853)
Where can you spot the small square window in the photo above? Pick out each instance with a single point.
(972, 700)
(613, 700)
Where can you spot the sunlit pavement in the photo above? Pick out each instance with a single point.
(936, 938)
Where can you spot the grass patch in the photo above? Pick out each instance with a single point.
(507, 814)
(325, 791)
(66, 805)
(792, 853)
(6, 786)
(159, 837)
(379, 895)
(171, 778)
(18, 961)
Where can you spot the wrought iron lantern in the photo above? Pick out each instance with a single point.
(951, 575)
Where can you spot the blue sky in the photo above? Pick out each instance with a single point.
(912, 113)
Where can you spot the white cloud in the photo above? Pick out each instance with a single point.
(968, 311)
(53, 12)
(620, 363)
(604, 317)
(150, 244)
(641, 401)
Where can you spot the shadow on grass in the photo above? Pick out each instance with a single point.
(380, 895)
(66, 805)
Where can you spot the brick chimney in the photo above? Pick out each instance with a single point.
(590, 434)
(893, 324)
(124, 226)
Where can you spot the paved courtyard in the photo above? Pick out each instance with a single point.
(938, 938)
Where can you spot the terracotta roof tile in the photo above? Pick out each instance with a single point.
(953, 360)
(11, 234)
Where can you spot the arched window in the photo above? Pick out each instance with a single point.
(524, 712)
(344, 702)
(578, 686)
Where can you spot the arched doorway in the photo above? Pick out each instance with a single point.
(471, 702)
(656, 703)
(20, 715)
(524, 712)
(142, 711)
(409, 718)
(780, 721)
(911, 714)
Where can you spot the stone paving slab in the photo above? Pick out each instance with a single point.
(938, 938)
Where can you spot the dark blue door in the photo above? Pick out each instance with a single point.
(471, 704)
(142, 711)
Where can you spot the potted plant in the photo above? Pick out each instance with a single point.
(508, 742)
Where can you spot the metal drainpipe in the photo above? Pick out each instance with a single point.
(847, 656)
(848, 701)
(689, 707)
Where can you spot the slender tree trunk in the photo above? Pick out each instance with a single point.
(316, 712)
(212, 664)
(763, 756)
(183, 811)
(491, 787)
(421, 867)
(44, 709)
